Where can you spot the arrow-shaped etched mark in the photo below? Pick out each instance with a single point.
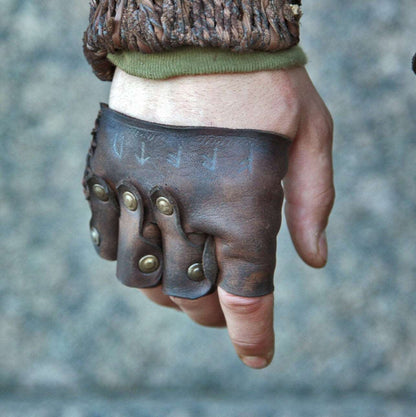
(247, 164)
(210, 162)
(175, 159)
(118, 145)
(142, 159)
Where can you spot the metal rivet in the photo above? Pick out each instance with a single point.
(130, 200)
(164, 206)
(100, 192)
(148, 264)
(196, 272)
(95, 236)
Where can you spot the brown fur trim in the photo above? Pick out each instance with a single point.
(156, 25)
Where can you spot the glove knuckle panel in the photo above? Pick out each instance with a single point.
(139, 259)
(184, 274)
(213, 193)
(246, 265)
(104, 220)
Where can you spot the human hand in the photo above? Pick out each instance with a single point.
(283, 102)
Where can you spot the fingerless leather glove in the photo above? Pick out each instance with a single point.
(188, 207)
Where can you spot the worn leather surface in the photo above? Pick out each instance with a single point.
(224, 189)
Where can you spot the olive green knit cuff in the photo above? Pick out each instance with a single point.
(196, 61)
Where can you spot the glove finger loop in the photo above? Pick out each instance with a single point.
(139, 259)
(184, 273)
(247, 266)
(104, 220)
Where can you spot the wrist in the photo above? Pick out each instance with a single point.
(264, 100)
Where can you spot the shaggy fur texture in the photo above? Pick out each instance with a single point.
(155, 25)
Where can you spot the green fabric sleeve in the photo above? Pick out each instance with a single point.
(194, 61)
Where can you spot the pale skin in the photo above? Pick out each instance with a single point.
(284, 102)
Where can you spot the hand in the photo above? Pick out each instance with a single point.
(284, 102)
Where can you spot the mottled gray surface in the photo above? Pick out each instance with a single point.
(202, 404)
(75, 343)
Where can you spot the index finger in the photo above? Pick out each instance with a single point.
(250, 326)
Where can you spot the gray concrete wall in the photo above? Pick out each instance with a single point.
(75, 342)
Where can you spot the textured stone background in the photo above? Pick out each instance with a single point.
(75, 343)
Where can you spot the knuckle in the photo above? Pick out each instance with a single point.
(242, 305)
(321, 202)
(253, 345)
(325, 125)
(326, 197)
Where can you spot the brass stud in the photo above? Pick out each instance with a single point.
(148, 264)
(196, 272)
(130, 200)
(95, 236)
(164, 206)
(100, 192)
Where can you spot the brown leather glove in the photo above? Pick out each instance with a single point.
(188, 207)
